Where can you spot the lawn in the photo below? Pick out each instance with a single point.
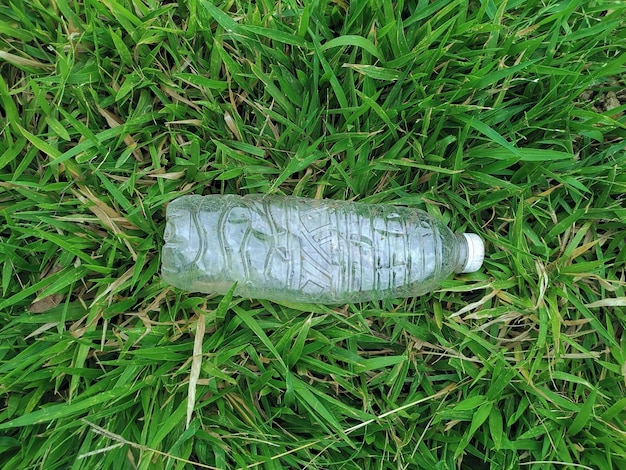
(503, 118)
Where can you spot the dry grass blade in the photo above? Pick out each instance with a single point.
(23, 61)
(42, 329)
(196, 364)
(614, 302)
(40, 305)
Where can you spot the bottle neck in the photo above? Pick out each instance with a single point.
(462, 253)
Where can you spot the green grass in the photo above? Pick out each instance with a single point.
(504, 118)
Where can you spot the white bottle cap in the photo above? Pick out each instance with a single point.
(475, 253)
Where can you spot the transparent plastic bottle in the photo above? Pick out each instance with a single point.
(286, 248)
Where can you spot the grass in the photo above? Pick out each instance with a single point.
(503, 118)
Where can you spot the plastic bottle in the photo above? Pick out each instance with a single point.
(286, 248)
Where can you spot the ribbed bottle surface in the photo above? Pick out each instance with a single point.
(286, 248)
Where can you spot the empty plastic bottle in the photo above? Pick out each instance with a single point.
(286, 248)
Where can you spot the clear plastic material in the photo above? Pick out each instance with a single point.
(286, 248)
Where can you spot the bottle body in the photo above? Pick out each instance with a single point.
(305, 250)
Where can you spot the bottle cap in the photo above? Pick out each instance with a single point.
(475, 253)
